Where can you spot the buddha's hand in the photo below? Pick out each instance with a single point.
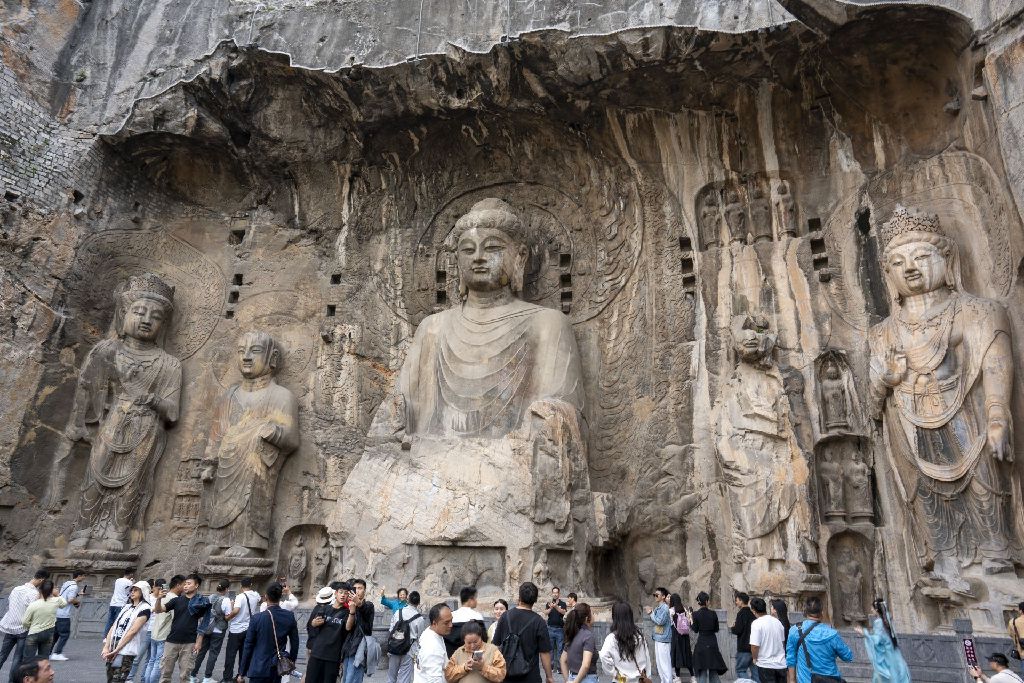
(999, 436)
(895, 367)
(270, 433)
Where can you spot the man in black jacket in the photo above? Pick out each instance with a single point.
(359, 625)
(328, 635)
(741, 629)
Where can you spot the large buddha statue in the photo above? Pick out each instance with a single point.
(481, 443)
(127, 395)
(475, 369)
(941, 379)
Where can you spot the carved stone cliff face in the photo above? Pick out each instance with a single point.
(670, 179)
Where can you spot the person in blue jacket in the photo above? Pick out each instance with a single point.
(395, 604)
(813, 646)
(260, 651)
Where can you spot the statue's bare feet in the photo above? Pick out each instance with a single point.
(996, 566)
(112, 545)
(239, 551)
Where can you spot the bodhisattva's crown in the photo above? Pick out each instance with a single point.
(904, 220)
(149, 286)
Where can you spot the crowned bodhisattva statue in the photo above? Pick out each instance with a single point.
(481, 442)
(127, 395)
(941, 379)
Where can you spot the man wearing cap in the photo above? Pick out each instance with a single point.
(1001, 665)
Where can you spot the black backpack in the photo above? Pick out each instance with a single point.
(399, 639)
(512, 650)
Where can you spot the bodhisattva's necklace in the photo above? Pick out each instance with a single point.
(926, 341)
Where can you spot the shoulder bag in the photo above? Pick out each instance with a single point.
(285, 665)
(1014, 651)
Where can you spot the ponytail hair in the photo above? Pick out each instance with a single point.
(883, 613)
(575, 620)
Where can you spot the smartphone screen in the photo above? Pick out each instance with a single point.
(478, 655)
(969, 653)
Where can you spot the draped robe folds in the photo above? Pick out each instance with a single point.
(936, 428)
(130, 437)
(475, 372)
(247, 465)
(756, 457)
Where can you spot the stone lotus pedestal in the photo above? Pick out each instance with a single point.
(238, 568)
(448, 511)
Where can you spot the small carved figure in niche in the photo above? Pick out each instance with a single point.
(830, 472)
(735, 216)
(835, 402)
(255, 427)
(941, 379)
(321, 564)
(297, 564)
(129, 387)
(760, 215)
(541, 570)
(850, 578)
(709, 220)
(785, 209)
(859, 499)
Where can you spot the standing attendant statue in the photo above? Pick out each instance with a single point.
(128, 389)
(941, 378)
(255, 427)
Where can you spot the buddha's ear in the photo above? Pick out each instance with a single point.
(518, 268)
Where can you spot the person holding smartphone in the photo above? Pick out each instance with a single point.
(1001, 665)
(475, 661)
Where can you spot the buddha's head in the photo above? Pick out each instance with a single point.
(145, 308)
(258, 354)
(918, 258)
(491, 248)
(752, 339)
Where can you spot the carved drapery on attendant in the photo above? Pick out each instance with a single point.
(941, 375)
(255, 427)
(129, 388)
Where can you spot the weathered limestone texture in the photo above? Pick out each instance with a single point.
(608, 295)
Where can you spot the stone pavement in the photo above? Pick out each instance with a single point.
(84, 664)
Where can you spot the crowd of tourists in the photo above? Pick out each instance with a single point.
(156, 629)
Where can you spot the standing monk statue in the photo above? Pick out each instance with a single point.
(941, 378)
(129, 388)
(255, 426)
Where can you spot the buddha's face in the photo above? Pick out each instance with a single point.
(487, 258)
(752, 340)
(255, 356)
(144, 319)
(917, 267)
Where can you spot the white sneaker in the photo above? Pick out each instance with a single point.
(193, 679)
(58, 658)
(209, 680)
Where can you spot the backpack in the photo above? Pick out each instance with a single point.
(219, 618)
(400, 638)
(512, 650)
(682, 624)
